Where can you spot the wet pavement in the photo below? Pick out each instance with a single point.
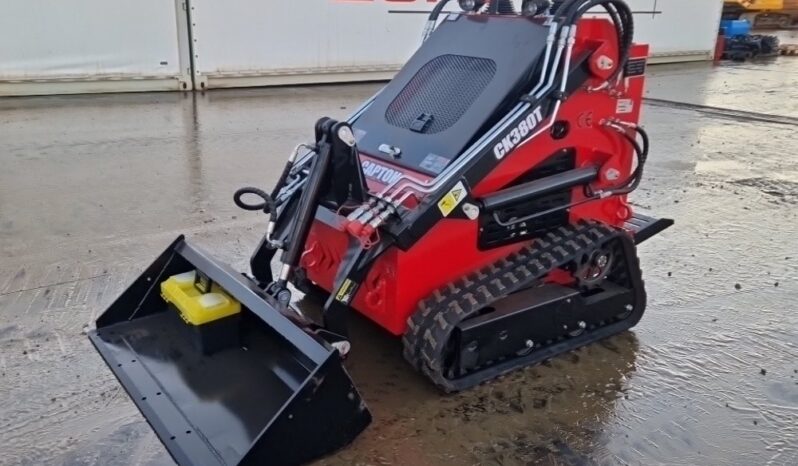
(92, 188)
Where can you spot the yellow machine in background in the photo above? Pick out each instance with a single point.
(763, 13)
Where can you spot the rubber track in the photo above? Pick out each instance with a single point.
(431, 326)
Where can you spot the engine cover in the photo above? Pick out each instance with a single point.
(451, 88)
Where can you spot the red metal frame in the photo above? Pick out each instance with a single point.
(399, 279)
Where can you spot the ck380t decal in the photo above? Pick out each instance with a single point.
(518, 134)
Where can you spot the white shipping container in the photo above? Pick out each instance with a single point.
(49, 46)
(251, 42)
(58, 46)
(680, 30)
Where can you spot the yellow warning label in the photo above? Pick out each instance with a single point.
(452, 199)
(344, 294)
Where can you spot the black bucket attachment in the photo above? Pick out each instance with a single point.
(271, 395)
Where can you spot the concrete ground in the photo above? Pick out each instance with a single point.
(92, 188)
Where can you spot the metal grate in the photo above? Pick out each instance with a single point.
(444, 89)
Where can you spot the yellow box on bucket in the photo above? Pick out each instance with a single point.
(195, 307)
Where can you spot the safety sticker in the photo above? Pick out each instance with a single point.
(625, 106)
(452, 199)
(346, 292)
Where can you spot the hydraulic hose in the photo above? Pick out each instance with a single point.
(624, 25)
(626, 187)
(267, 205)
(562, 7)
(571, 10)
(642, 155)
(436, 10)
(281, 181)
(433, 19)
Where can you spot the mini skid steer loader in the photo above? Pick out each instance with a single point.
(475, 207)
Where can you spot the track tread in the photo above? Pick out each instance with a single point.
(430, 327)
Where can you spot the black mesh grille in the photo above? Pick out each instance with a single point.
(444, 88)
